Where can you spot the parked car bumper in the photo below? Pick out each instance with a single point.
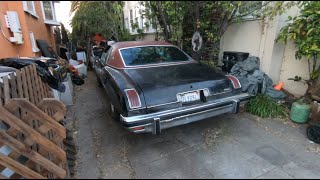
(155, 122)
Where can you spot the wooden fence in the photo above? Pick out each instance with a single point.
(31, 137)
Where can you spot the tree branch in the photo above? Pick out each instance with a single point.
(163, 21)
(250, 12)
(314, 63)
(228, 21)
(309, 68)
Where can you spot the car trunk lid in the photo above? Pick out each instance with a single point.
(160, 85)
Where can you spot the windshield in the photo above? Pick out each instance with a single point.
(152, 55)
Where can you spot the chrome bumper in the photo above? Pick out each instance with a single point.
(155, 122)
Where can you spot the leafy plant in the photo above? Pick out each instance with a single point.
(90, 17)
(304, 31)
(211, 64)
(265, 107)
(180, 19)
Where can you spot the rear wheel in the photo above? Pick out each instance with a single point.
(99, 82)
(115, 115)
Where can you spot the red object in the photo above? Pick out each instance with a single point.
(133, 98)
(279, 86)
(138, 128)
(235, 82)
(73, 70)
(98, 37)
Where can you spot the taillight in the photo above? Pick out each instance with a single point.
(133, 98)
(235, 82)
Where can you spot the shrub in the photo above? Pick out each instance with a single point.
(265, 107)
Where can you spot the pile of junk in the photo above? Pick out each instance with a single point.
(252, 79)
(55, 71)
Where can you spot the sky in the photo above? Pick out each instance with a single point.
(63, 13)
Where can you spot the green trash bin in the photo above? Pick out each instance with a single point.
(300, 112)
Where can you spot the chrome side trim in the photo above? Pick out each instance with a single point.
(221, 93)
(201, 112)
(160, 65)
(163, 104)
(185, 119)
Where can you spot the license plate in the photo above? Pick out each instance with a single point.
(188, 97)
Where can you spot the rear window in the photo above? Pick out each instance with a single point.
(152, 55)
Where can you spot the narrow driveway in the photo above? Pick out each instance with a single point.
(228, 146)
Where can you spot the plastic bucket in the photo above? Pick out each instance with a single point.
(300, 112)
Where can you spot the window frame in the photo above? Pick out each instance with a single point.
(50, 21)
(34, 46)
(108, 57)
(142, 23)
(103, 61)
(126, 23)
(131, 20)
(163, 63)
(26, 8)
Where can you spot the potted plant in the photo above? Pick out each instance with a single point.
(304, 31)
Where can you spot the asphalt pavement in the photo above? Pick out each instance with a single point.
(227, 146)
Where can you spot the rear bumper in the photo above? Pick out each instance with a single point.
(155, 122)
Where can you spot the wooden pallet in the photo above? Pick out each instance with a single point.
(31, 133)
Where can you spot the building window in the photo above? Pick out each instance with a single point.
(131, 19)
(135, 12)
(131, 15)
(33, 43)
(142, 23)
(136, 20)
(126, 23)
(48, 13)
(28, 6)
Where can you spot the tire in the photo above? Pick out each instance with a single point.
(313, 133)
(114, 114)
(99, 82)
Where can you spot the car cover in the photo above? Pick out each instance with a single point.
(253, 80)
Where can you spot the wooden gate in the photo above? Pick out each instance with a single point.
(31, 137)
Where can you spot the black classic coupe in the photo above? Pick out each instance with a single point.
(154, 85)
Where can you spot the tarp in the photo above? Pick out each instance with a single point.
(42, 70)
(253, 80)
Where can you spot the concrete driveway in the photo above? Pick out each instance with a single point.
(228, 146)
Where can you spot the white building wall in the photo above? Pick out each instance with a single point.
(293, 67)
(242, 37)
(136, 8)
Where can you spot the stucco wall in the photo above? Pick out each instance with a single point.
(28, 23)
(9, 49)
(242, 37)
(292, 67)
(39, 28)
